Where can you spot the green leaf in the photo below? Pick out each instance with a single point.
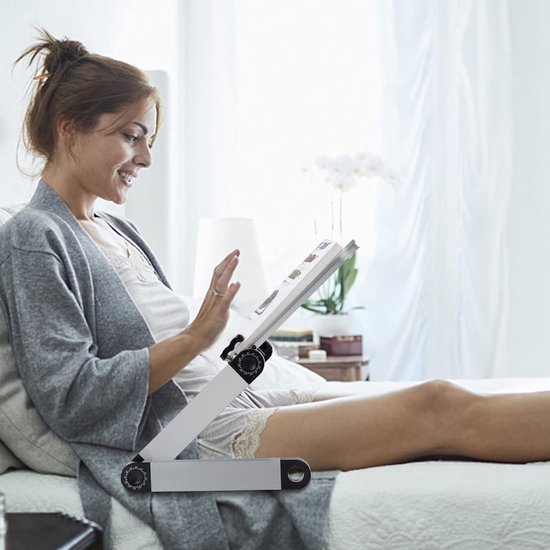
(349, 265)
(336, 290)
(349, 280)
(313, 309)
(332, 305)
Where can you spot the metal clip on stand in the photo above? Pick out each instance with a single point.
(155, 468)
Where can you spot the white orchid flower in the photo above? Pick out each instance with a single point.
(344, 172)
(322, 162)
(393, 177)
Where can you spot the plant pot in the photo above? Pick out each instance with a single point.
(343, 344)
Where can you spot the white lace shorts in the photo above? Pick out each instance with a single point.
(236, 432)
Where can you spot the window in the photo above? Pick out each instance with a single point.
(306, 83)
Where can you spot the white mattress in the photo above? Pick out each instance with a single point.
(428, 505)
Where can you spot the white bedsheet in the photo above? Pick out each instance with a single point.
(439, 505)
(422, 505)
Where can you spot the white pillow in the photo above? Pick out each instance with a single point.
(7, 460)
(280, 373)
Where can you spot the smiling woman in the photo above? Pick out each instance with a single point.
(106, 159)
(83, 124)
(96, 331)
(71, 85)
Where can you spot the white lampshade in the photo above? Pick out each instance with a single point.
(219, 236)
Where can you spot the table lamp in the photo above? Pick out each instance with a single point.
(216, 238)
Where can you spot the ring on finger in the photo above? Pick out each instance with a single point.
(217, 293)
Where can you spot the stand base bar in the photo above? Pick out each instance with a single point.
(264, 474)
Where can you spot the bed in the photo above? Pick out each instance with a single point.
(426, 504)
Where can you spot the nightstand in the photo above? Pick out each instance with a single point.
(346, 368)
(51, 531)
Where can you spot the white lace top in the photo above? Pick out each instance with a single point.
(164, 311)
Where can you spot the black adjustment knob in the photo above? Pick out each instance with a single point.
(135, 477)
(249, 363)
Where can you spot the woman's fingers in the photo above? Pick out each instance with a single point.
(220, 268)
(223, 280)
(223, 273)
(214, 313)
(231, 292)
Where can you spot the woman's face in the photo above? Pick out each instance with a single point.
(108, 159)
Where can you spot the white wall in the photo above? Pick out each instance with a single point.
(530, 200)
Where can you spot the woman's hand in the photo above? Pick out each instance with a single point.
(168, 357)
(214, 311)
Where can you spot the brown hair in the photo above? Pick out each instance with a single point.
(74, 84)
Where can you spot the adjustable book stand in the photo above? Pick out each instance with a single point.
(155, 468)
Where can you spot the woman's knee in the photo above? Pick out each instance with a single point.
(440, 397)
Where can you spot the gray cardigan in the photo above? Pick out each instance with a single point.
(81, 347)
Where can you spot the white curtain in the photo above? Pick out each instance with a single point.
(269, 86)
(437, 290)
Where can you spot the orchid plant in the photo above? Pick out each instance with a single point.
(343, 173)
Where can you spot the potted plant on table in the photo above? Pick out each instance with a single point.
(342, 173)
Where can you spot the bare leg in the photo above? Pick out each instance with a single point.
(433, 418)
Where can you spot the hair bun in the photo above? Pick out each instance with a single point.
(54, 54)
(62, 52)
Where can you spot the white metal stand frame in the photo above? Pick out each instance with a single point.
(156, 469)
